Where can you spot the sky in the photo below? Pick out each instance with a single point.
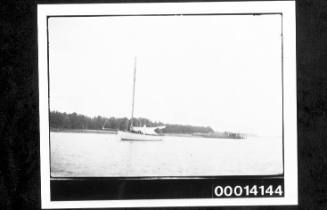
(219, 71)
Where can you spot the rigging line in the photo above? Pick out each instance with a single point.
(133, 97)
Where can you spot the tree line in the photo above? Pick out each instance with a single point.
(59, 120)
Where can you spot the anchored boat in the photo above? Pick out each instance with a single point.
(139, 133)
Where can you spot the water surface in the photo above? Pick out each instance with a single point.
(103, 154)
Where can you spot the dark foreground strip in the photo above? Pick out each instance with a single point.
(79, 189)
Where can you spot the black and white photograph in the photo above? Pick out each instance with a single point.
(167, 104)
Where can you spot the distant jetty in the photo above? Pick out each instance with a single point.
(223, 135)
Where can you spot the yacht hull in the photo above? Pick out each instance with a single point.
(129, 136)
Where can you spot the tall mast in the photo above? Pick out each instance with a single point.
(131, 128)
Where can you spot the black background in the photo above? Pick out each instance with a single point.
(19, 135)
(113, 188)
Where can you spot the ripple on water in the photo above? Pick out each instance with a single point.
(92, 154)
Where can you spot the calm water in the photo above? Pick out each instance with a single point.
(101, 154)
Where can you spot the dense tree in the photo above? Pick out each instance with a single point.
(60, 120)
(77, 121)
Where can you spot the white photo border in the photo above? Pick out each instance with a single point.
(285, 8)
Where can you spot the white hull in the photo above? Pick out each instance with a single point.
(129, 136)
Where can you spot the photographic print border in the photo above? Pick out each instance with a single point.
(286, 9)
(180, 14)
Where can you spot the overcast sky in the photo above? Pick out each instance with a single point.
(219, 71)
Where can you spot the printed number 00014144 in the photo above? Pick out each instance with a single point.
(248, 191)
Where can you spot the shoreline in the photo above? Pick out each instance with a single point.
(81, 130)
(65, 130)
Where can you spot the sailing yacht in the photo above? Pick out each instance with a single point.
(139, 133)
